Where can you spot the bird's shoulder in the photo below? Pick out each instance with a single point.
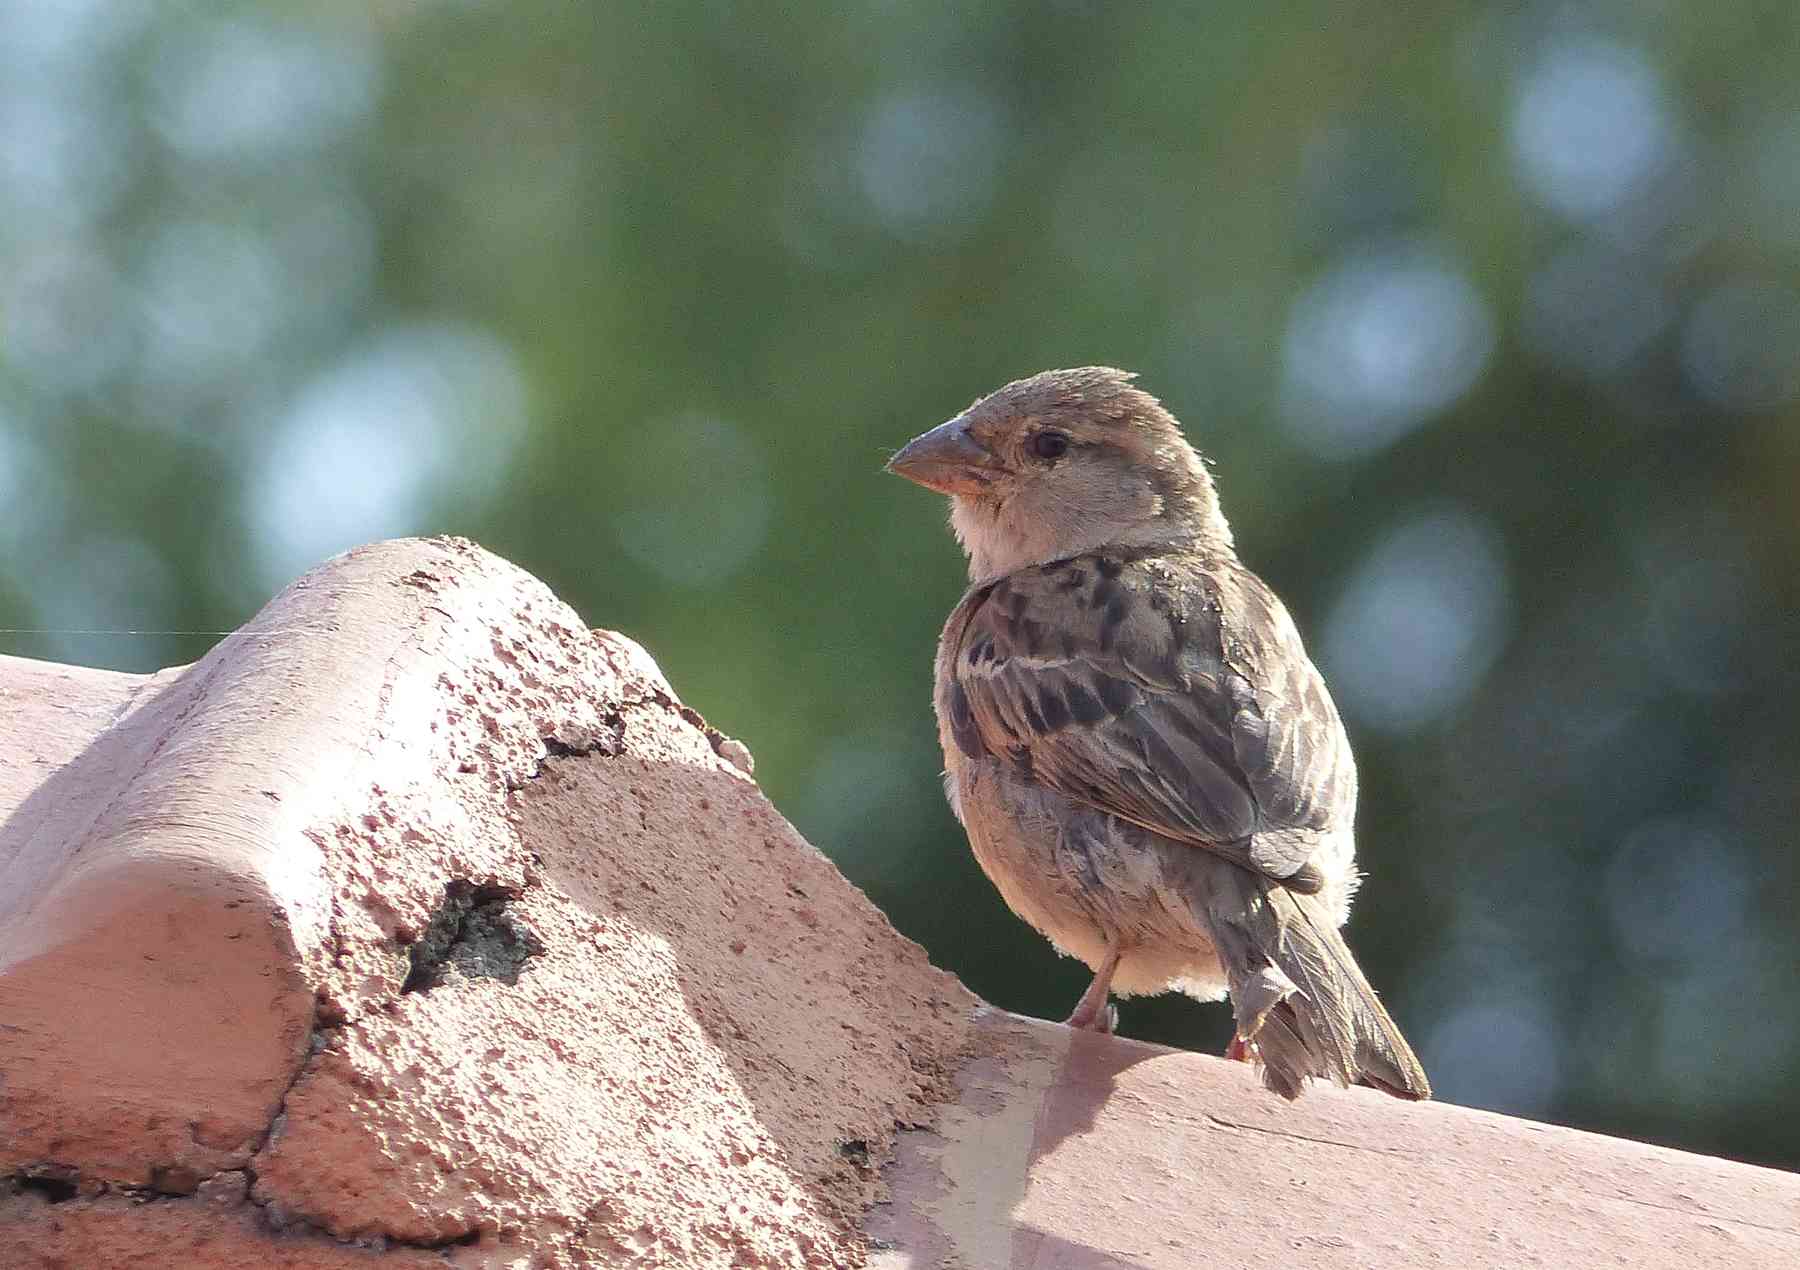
(1182, 669)
(1159, 616)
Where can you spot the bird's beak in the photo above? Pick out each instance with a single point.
(946, 459)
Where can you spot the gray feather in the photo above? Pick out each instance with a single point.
(1296, 991)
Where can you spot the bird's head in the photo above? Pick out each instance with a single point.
(1065, 462)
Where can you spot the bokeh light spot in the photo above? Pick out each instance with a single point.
(928, 158)
(1590, 126)
(61, 158)
(1378, 346)
(1740, 346)
(1419, 621)
(1592, 310)
(1497, 1054)
(1677, 892)
(99, 582)
(32, 494)
(858, 788)
(64, 318)
(697, 506)
(241, 88)
(211, 294)
(422, 413)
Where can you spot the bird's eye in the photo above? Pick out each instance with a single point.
(1049, 445)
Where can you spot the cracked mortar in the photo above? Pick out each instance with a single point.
(498, 956)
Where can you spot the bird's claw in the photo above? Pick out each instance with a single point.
(1104, 1020)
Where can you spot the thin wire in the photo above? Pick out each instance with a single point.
(29, 630)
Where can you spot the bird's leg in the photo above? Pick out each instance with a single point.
(1240, 1050)
(1092, 1013)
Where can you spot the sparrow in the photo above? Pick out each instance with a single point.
(1146, 762)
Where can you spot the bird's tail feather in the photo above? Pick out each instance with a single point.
(1301, 1002)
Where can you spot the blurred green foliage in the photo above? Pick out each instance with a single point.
(1487, 315)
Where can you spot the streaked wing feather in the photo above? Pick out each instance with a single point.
(1171, 693)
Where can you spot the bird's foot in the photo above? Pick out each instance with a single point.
(1103, 1019)
(1240, 1050)
(1092, 1013)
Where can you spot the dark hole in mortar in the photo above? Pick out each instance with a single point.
(55, 1189)
(473, 933)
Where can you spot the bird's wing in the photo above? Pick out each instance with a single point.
(1171, 692)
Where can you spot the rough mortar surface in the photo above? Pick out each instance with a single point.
(418, 924)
